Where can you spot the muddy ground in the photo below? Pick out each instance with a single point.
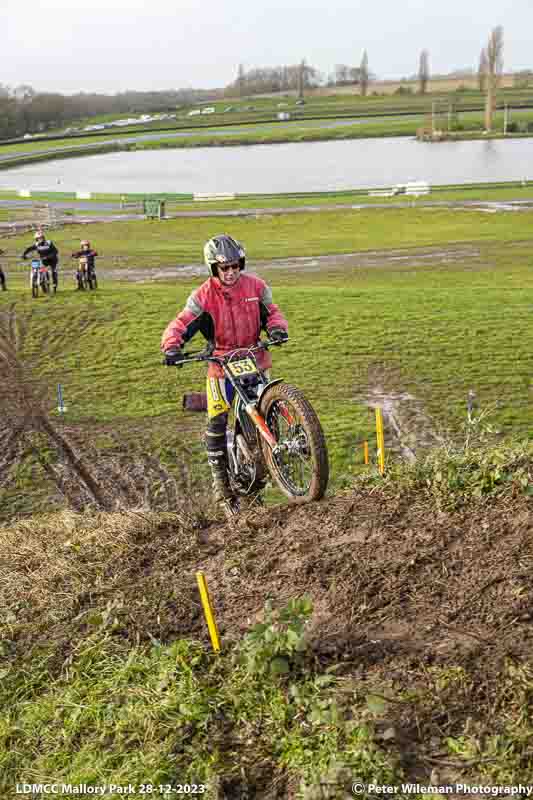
(363, 260)
(403, 595)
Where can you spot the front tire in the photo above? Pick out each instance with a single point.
(34, 288)
(300, 468)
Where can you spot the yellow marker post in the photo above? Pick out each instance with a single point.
(365, 452)
(208, 611)
(380, 440)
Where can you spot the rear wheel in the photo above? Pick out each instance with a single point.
(45, 284)
(299, 464)
(250, 479)
(93, 283)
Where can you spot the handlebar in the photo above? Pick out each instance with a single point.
(207, 355)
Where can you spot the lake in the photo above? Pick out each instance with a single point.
(294, 167)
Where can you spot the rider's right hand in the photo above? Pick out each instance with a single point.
(173, 356)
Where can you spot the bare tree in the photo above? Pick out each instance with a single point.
(482, 71)
(240, 80)
(423, 71)
(494, 71)
(301, 79)
(363, 74)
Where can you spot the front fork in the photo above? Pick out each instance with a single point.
(257, 418)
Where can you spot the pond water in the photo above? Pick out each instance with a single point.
(295, 167)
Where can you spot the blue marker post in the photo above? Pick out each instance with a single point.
(60, 404)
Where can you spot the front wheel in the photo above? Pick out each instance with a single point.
(34, 287)
(299, 464)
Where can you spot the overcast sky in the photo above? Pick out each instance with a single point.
(114, 45)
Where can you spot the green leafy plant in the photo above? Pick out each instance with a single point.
(277, 645)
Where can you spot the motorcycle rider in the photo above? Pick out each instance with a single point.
(89, 254)
(2, 276)
(230, 309)
(47, 252)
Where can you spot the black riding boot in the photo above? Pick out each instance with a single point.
(217, 457)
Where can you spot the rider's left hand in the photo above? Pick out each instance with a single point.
(278, 335)
(173, 357)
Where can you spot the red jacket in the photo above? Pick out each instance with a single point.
(231, 317)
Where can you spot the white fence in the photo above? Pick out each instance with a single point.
(205, 196)
(414, 188)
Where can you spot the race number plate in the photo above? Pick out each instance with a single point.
(243, 367)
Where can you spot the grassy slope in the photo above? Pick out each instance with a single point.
(99, 686)
(180, 241)
(433, 326)
(436, 328)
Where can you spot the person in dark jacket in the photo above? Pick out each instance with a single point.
(230, 309)
(47, 252)
(2, 276)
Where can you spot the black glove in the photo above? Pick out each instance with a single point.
(278, 335)
(173, 357)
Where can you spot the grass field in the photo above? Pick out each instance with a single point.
(106, 673)
(327, 104)
(435, 326)
(180, 241)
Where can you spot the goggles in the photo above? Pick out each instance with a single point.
(226, 267)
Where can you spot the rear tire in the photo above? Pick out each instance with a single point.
(251, 479)
(294, 423)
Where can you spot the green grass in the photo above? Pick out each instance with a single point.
(162, 716)
(433, 327)
(180, 241)
(118, 711)
(328, 106)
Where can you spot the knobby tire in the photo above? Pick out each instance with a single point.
(310, 424)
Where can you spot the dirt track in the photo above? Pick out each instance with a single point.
(391, 580)
(365, 259)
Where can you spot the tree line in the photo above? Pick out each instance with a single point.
(23, 110)
(296, 78)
